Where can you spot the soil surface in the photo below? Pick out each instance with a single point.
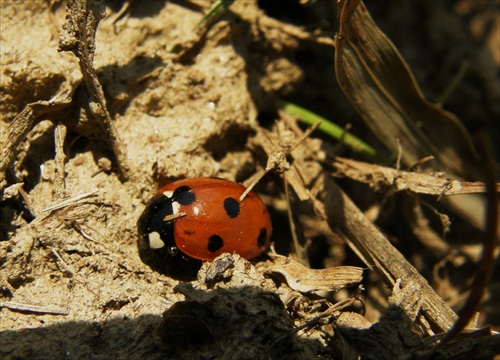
(191, 103)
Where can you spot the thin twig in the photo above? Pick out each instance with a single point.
(36, 309)
(60, 158)
(70, 201)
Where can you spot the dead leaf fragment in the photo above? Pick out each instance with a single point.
(305, 280)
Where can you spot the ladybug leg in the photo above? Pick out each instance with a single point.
(173, 251)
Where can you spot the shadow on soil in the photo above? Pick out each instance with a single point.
(235, 323)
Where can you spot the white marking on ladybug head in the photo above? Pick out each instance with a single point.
(155, 241)
(175, 207)
(168, 193)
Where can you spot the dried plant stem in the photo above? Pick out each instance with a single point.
(59, 138)
(70, 201)
(45, 309)
(83, 17)
(20, 126)
(431, 184)
(378, 253)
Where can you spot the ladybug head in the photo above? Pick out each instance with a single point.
(156, 243)
(154, 232)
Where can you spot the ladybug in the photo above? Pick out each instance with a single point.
(203, 218)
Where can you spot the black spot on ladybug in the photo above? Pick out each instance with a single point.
(261, 240)
(183, 195)
(215, 242)
(232, 207)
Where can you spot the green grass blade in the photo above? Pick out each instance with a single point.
(217, 10)
(329, 128)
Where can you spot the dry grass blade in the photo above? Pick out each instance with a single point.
(381, 87)
(70, 201)
(379, 83)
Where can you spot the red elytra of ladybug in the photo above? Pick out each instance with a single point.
(211, 220)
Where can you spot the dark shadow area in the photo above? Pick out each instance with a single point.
(236, 323)
(138, 9)
(9, 209)
(394, 337)
(122, 83)
(233, 138)
(115, 339)
(178, 267)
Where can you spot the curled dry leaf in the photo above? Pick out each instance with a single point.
(380, 86)
(305, 280)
